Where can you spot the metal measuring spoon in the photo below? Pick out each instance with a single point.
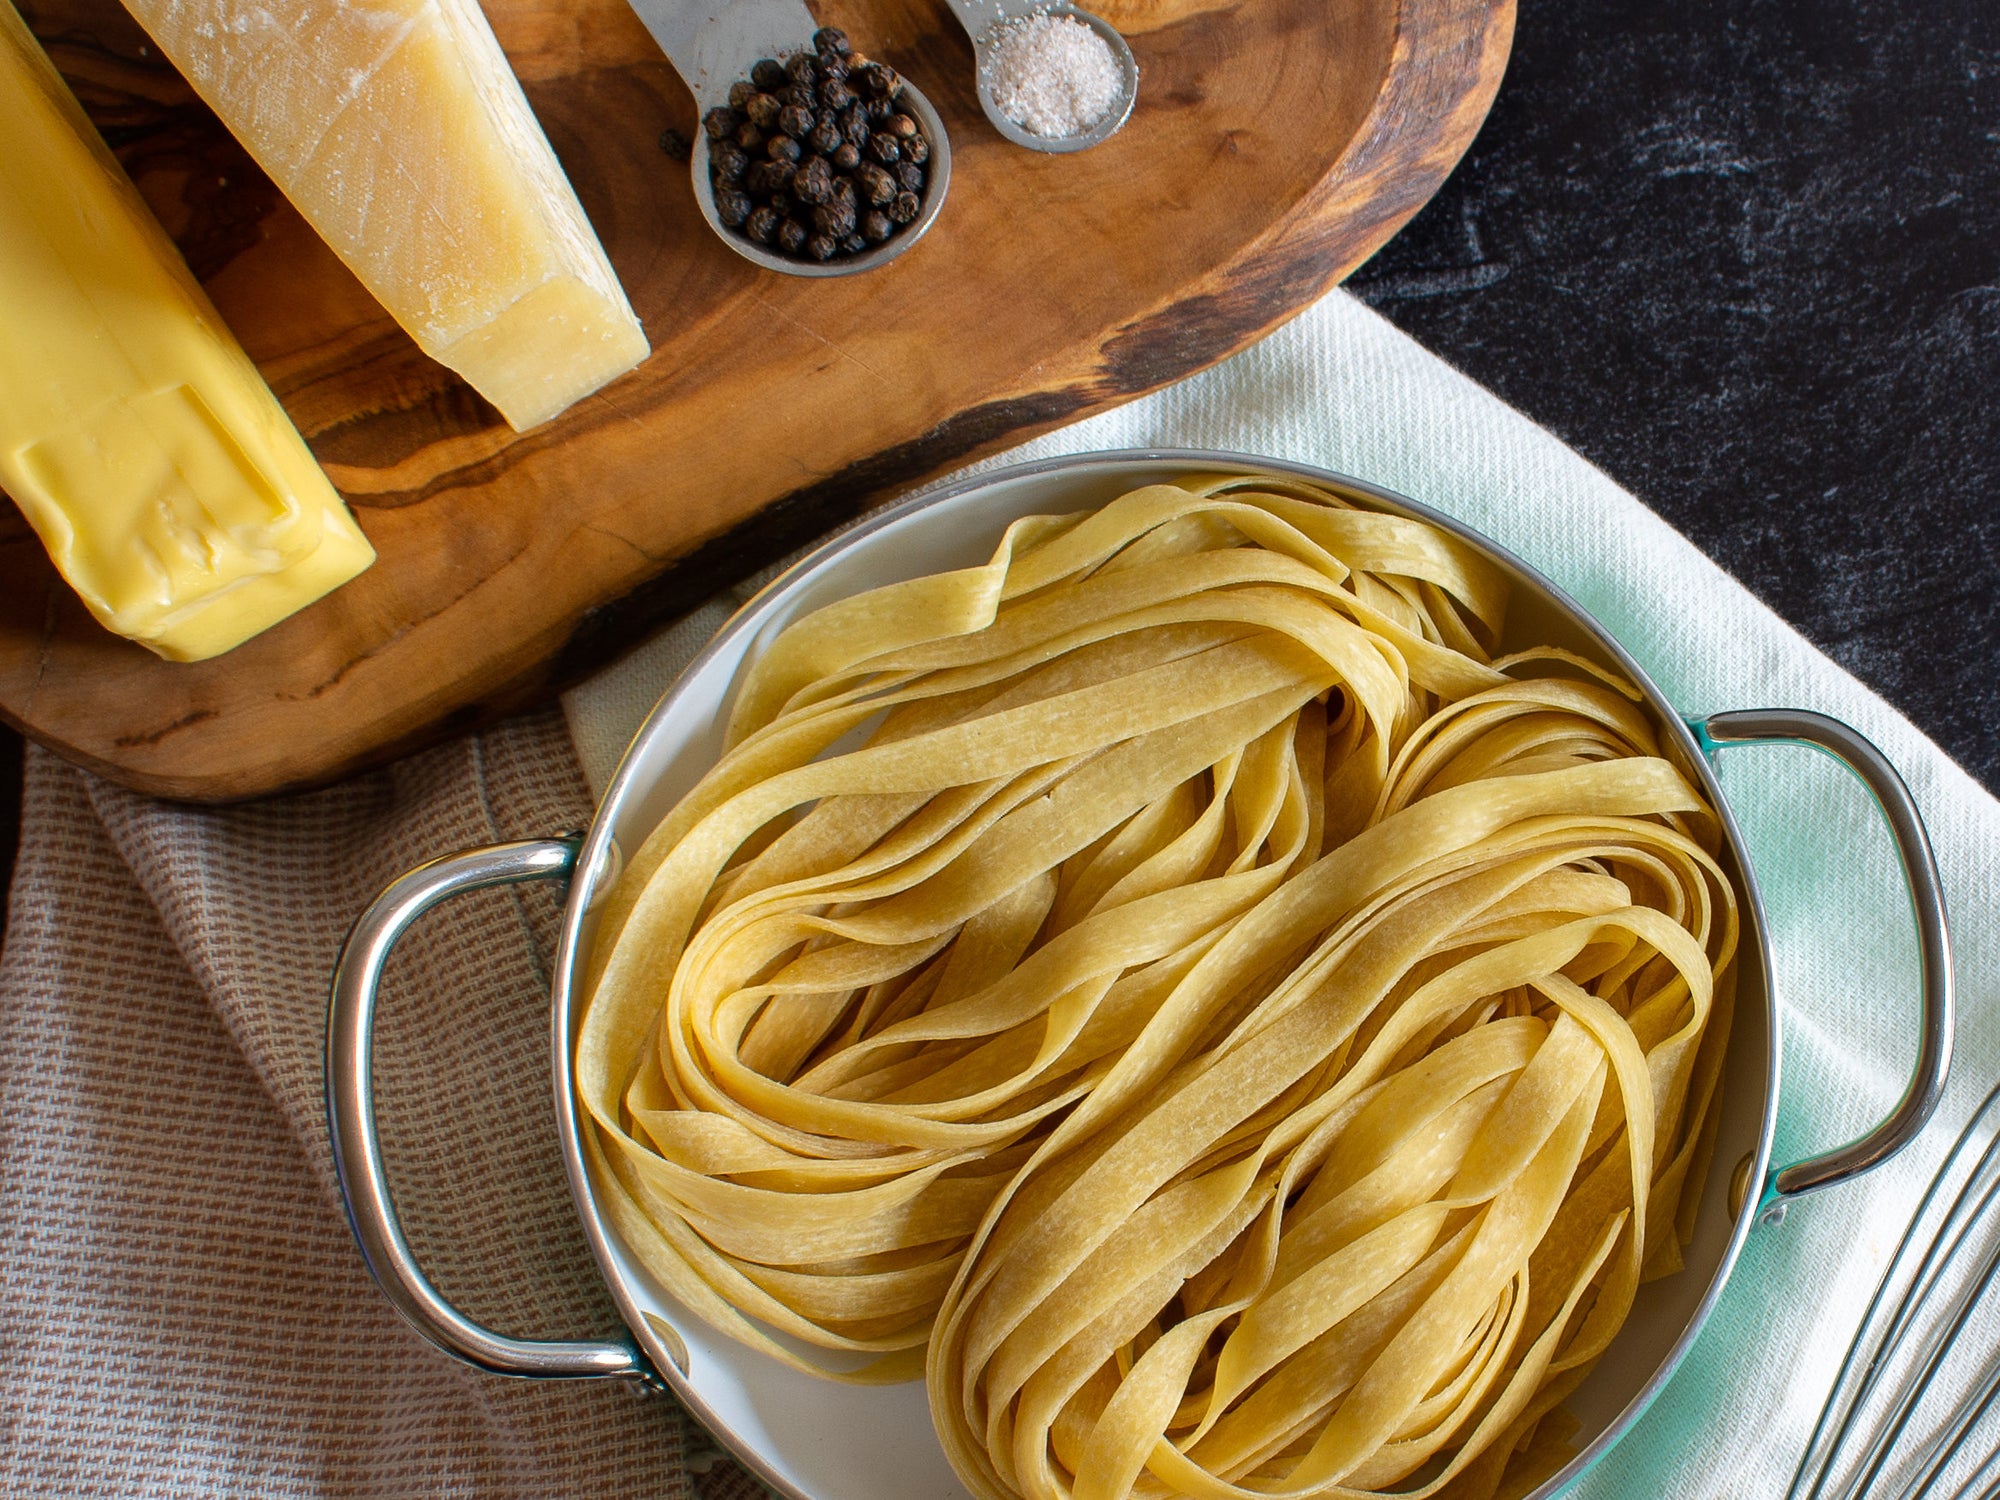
(713, 44)
(981, 20)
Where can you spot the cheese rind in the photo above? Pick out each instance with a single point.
(166, 482)
(397, 128)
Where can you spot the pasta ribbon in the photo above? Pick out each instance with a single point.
(1176, 989)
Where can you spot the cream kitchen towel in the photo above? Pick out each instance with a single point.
(1340, 387)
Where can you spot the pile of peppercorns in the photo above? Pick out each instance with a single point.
(811, 156)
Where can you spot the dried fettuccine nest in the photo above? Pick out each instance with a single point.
(1250, 1039)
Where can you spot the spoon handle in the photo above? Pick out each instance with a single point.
(979, 17)
(713, 43)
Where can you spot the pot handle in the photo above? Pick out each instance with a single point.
(357, 1149)
(1798, 726)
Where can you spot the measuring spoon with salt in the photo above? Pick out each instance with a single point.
(983, 21)
(715, 43)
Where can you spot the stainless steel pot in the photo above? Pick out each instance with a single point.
(816, 1440)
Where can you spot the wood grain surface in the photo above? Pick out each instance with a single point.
(1275, 145)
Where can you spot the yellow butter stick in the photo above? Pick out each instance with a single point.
(168, 485)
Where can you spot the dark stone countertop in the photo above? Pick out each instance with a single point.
(1745, 256)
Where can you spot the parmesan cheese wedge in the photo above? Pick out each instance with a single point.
(397, 128)
(168, 485)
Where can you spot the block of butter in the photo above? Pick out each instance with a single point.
(398, 129)
(139, 440)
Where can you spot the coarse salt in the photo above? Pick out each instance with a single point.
(1052, 75)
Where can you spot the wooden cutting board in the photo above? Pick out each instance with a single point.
(1276, 144)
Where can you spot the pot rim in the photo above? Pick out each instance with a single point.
(599, 862)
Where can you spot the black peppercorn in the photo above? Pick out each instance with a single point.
(901, 126)
(875, 226)
(795, 122)
(905, 208)
(829, 39)
(822, 247)
(854, 125)
(835, 218)
(767, 177)
(762, 225)
(917, 149)
(749, 137)
(720, 121)
(854, 244)
(846, 157)
(797, 96)
(885, 148)
(878, 110)
(739, 93)
(769, 74)
(800, 69)
(784, 205)
(843, 189)
(762, 110)
(676, 145)
(732, 207)
(874, 184)
(825, 137)
(835, 95)
(792, 236)
(814, 184)
(909, 176)
(879, 81)
(728, 161)
(832, 65)
(783, 148)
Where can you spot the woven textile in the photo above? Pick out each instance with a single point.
(185, 1311)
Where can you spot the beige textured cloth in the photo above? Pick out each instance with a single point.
(185, 1312)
